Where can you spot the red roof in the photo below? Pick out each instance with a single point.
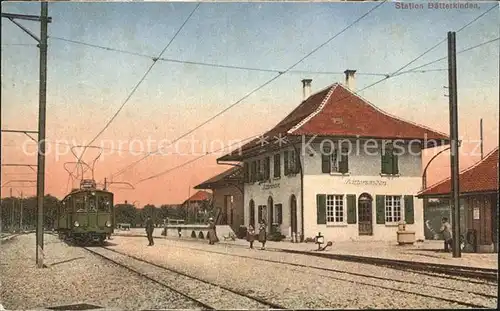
(336, 111)
(199, 196)
(481, 177)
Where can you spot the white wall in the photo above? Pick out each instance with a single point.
(363, 166)
(288, 186)
(319, 184)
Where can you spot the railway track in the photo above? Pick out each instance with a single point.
(464, 292)
(452, 270)
(208, 295)
(431, 269)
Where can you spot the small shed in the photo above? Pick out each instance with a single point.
(478, 186)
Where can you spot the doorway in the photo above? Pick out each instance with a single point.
(365, 218)
(293, 214)
(252, 214)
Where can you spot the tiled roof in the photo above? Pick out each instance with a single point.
(336, 111)
(234, 173)
(200, 196)
(481, 177)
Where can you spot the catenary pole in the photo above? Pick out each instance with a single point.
(455, 187)
(41, 131)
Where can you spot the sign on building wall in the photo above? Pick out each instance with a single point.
(358, 182)
(270, 186)
(476, 213)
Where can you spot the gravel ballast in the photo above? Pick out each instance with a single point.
(298, 287)
(74, 276)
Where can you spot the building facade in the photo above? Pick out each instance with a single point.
(336, 165)
(196, 205)
(478, 187)
(227, 188)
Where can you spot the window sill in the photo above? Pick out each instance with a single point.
(389, 175)
(339, 174)
(391, 224)
(334, 225)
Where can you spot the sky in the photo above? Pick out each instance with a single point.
(87, 85)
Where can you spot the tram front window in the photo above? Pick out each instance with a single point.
(103, 204)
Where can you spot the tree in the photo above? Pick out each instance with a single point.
(126, 213)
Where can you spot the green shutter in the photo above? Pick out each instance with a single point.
(395, 167)
(380, 202)
(321, 209)
(285, 160)
(409, 211)
(325, 163)
(297, 163)
(277, 165)
(351, 208)
(385, 163)
(344, 162)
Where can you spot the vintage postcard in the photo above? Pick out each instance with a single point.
(216, 155)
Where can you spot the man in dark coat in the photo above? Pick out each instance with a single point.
(149, 230)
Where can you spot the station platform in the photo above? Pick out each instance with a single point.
(429, 251)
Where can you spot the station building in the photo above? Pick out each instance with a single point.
(478, 187)
(336, 165)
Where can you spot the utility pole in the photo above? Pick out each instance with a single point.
(481, 136)
(41, 129)
(42, 45)
(455, 186)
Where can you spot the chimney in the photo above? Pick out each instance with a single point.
(306, 88)
(350, 81)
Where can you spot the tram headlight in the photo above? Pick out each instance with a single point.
(76, 224)
(108, 224)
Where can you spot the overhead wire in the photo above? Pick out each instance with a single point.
(140, 81)
(255, 89)
(207, 64)
(353, 93)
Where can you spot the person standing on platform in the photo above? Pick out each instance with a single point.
(251, 235)
(149, 230)
(212, 233)
(446, 230)
(262, 234)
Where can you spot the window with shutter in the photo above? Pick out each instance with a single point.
(409, 210)
(389, 160)
(321, 209)
(351, 208)
(380, 209)
(344, 162)
(286, 164)
(259, 213)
